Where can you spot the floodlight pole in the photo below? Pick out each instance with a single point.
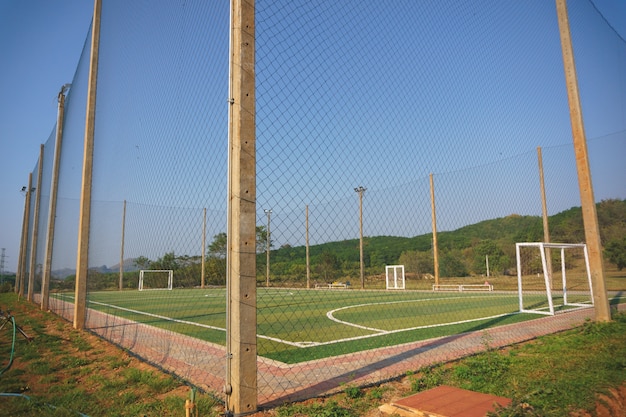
(590, 216)
(267, 248)
(361, 190)
(19, 278)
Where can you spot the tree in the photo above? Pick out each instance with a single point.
(142, 262)
(615, 251)
(167, 262)
(261, 239)
(498, 261)
(217, 248)
(417, 262)
(452, 264)
(216, 270)
(328, 265)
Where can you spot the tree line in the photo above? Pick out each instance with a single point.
(462, 252)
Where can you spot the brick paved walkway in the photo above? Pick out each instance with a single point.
(203, 364)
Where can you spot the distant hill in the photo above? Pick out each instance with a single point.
(129, 266)
(462, 245)
(462, 251)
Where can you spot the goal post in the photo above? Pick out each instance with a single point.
(156, 279)
(394, 277)
(535, 276)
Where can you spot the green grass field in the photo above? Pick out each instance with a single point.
(294, 325)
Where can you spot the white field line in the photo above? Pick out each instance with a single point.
(143, 313)
(386, 332)
(191, 323)
(304, 344)
(331, 313)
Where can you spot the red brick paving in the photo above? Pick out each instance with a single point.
(447, 401)
(204, 364)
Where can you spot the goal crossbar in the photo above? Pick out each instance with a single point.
(542, 246)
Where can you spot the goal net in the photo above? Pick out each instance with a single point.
(394, 277)
(150, 279)
(553, 277)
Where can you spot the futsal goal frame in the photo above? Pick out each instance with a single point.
(396, 280)
(542, 246)
(170, 279)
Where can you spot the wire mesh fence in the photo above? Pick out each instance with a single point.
(374, 124)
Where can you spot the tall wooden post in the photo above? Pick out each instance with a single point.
(308, 263)
(20, 277)
(203, 258)
(590, 216)
(241, 370)
(82, 259)
(544, 215)
(361, 190)
(52, 208)
(33, 251)
(123, 237)
(267, 247)
(434, 225)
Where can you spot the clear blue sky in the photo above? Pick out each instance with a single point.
(40, 44)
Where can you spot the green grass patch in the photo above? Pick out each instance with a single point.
(553, 376)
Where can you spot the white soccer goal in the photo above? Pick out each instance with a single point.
(156, 279)
(394, 277)
(539, 267)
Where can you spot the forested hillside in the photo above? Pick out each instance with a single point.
(462, 252)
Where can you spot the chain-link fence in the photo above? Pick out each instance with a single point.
(402, 134)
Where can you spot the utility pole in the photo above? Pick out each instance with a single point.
(267, 248)
(361, 190)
